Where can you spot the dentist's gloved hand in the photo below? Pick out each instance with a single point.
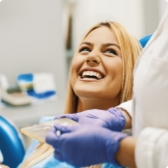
(84, 145)
(112, 118)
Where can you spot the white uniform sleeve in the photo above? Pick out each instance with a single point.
(152, 148)
(127, 106)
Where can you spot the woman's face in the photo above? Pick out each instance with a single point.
(97, 66)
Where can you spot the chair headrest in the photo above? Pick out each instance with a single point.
(143, 41)
(10, 143)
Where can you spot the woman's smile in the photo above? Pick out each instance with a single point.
(90, 74)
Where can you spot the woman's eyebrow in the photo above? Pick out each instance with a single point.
(111, 44)
(88, 43)
(106, 44)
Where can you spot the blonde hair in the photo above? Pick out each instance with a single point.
(130, 50)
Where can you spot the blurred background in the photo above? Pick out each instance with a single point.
(41, 36)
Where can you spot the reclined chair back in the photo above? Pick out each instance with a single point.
(11, 145)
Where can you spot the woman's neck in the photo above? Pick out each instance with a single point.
(94, 103)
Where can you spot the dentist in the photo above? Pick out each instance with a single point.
(148, 147)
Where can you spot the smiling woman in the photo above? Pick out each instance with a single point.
(101, 69)
(97, 68)
(100, 78)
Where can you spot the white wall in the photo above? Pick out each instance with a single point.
(163, 4)
(86, 13)
(31, 39)
(153, 11)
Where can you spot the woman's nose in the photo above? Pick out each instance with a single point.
(92, 61)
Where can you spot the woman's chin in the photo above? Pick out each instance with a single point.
(89, 93)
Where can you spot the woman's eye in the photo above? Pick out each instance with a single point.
(111, 51)
(84, 49)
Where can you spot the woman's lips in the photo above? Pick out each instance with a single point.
(89, 79)
(91, 74)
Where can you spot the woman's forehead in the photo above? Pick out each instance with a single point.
(102, 34)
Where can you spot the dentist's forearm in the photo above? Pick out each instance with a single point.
(126, 153)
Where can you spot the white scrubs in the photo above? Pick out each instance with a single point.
(150, 102)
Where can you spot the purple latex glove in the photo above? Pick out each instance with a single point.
(84, 145)
(112, 118)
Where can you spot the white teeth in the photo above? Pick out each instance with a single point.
(91, 73)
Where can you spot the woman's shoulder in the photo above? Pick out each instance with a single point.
(109, 165)
(51, 162)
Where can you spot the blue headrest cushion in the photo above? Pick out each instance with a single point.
(143, 41)
(10, 144)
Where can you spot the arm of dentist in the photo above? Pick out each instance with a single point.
(85, 145)
(115, 119)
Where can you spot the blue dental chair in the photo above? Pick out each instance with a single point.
(11, 145)
(143, 41)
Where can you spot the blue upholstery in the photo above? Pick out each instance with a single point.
(143, 41)
(11, 145)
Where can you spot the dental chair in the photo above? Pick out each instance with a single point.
(11, 144)
(143, 41)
